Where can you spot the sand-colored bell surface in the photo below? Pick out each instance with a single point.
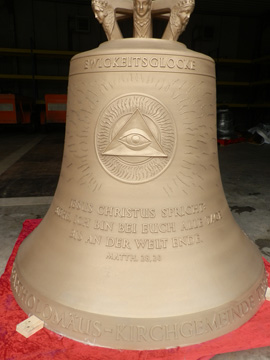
(139, 249)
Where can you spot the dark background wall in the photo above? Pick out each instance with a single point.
(38, 38)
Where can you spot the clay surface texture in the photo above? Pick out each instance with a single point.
(139, 249)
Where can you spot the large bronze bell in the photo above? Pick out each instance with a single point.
(139, 249)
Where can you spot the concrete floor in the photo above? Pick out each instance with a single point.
(30, 166)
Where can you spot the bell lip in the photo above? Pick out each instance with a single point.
(108, 321)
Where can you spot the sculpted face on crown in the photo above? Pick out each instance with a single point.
(98, 8)
(142, 7)
(184, 14)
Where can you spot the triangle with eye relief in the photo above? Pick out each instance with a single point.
(135, 139)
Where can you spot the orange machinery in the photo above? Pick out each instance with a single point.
(56, 109)
(15, 109)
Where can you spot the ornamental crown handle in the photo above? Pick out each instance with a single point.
(177, 12)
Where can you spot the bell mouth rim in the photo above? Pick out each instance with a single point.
(112, 331)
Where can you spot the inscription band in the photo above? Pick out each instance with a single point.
(141, 62)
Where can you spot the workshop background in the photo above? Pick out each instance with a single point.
(39, 37)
